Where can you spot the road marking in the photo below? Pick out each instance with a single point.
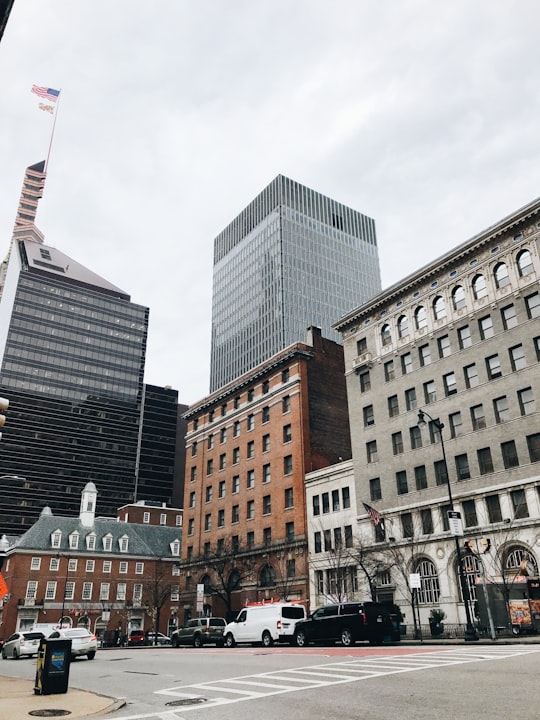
(354, 669)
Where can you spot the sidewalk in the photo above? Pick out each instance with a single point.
(17, 700)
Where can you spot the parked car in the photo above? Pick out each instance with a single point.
(265, 623)
(83, 642)
(22, 643)
(199, 632)
(136, 637)
(157, 639)
(346, 622)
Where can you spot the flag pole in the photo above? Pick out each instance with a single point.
(52, 133)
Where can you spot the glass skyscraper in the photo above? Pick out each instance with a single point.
(292, 259)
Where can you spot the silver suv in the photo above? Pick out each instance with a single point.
(199, 632)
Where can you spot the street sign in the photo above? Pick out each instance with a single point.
(415, 581)
(454, 521)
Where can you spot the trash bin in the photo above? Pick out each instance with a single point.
(52, 672)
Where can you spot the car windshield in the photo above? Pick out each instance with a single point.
(294, 613)
(217, 622)
(33, 635)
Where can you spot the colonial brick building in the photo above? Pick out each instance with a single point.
(110, 576)
(248, 448)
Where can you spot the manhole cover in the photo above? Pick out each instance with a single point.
(49, 713)
(187, 701)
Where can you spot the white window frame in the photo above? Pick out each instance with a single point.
(139, 568)
(104, 591)
(87, 591)
(50, 590)
(123, 568)
(107, 566)
(121, 591)
(35, 563)
(90, 566)
(31, 589)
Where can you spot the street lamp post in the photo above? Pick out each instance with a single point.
(470, 631)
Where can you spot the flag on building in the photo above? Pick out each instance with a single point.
(3, 588)
(375, 515)
(46, 93)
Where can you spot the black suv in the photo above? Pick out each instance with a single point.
(346, 622)
(199, 632)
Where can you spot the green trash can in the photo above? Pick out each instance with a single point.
(52, 671)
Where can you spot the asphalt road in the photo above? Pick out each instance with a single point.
(457, 682)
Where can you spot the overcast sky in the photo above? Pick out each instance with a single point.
(174, 114)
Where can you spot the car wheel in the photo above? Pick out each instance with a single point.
(300, 638)
(4, 656)
(229, 640)
(197, 641)
(91, 655)
(15, 654)
(267, 640)
(346, 637)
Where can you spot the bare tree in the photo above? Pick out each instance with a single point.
(229, 564)
(156, 592)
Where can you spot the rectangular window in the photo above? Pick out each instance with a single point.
(236, 428)
(87, 591)
(420, 477)
(441, 474)
(485, 462)
(493, 506)
(207, 522)
(407, 527)
(371, 451)
(509, 317)
(325, 503)
(235, 513)
(509, 454)
(54, 564)
(493, 367)
(137, 592)
(338, 539)
(236, 484)
(208, 493)
(250, 479)
(527, 403)
(429, 392)
(416, 437)
(393, 406)
(427, 521)
(317, 542)
(367, 412)
(287, 433)
(191, 526)
(519, 503)
(209, 467)
(471, 375)
(464, 337)
(193, 474)
(250, 394)
(335, 501)
(221, 518)
(251, 449)
(501, 409)
(456, 425)
(266, 414)
(266, 473)
(285, 375)
(35, 563)
(72, 565)
(236, 455)
(517, 357)
(532, 303)
(286, 404)
(221, 488)
(250, 539)
(266, 443)
(90, 566)
(250, 509)
(267, 505)
(375, 492)
(327, 535)
(348, 536)
(401, 482)
(289, 498)
(31, 589)
(289, 531)
(210, 441)
(450, 385)
(139, 568)
(104, 591)
(443, 344)
(146, 516)
(50, 592)
(107, 566)
(365, 381)
(266, 387)
(222, 461)
(267, 535)
(389, 372)
(410, 399)
(250, 422)
(469, 513)
(462, 467)
(121, 591)
(397, 443)
(424, 354)
(287, 465)
(361, 346)
(406, 363)
(478, 418)
(485, 325)
(533, 445)
(346, 497)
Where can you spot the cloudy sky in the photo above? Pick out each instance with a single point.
(174, 114)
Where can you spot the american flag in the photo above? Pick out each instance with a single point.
(45, 92)
(375, 515)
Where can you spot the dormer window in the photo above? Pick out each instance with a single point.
(91, 541)
(74, 540)
(123, 543)
(56, 538)
(175, 548)
(107, 543)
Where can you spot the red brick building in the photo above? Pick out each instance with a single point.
(108, 575)
(248, 447)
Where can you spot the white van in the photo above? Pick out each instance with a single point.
(265, 623)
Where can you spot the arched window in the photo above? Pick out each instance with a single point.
(479, 287)
(235, 581)
(439, 308)
(458, 297)
(403, 326)
(524, 261)
(517, 559)
(430, 591)
(471, 571)
(420, 318)
(267, 576)
(501, 275)
(385, 335)
(205, 580)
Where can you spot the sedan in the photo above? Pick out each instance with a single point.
(157, 639)
(22, 643)
(83, 642)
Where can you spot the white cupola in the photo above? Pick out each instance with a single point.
(88, 505)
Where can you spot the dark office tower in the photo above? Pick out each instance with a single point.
(292, 259)
(72, 351)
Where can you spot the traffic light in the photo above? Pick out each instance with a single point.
(4, 404)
